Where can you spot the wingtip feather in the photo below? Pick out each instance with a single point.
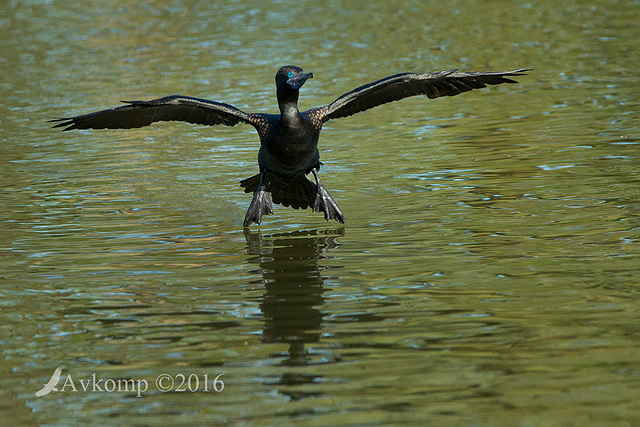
(62, 122)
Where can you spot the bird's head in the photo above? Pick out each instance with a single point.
(291, 76)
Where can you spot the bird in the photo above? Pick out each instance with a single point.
(289, 141)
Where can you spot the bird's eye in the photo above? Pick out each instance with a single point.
(289, 74)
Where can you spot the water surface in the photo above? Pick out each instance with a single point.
(487, 272)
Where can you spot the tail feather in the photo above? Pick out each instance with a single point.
(299, 194)
(250, 184)
(278, 193)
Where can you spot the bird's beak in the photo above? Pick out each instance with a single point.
(298, 80)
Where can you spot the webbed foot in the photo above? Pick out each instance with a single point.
(325, 203)
(261, 204)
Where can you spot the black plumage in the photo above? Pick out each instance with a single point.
(289, 140)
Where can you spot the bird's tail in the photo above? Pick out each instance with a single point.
(299, 194)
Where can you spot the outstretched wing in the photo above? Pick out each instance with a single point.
(142, 113)
(399, 86)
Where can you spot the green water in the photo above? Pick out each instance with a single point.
(487, 273)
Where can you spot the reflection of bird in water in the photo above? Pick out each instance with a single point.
(289, 140)
(292, 302)
(293, 281)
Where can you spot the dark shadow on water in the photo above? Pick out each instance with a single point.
(292, 302)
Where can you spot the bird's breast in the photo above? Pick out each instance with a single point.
(290, 153)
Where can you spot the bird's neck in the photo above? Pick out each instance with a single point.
(288, 104)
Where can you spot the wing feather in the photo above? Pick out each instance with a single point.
(400, 86)
(170, 108)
